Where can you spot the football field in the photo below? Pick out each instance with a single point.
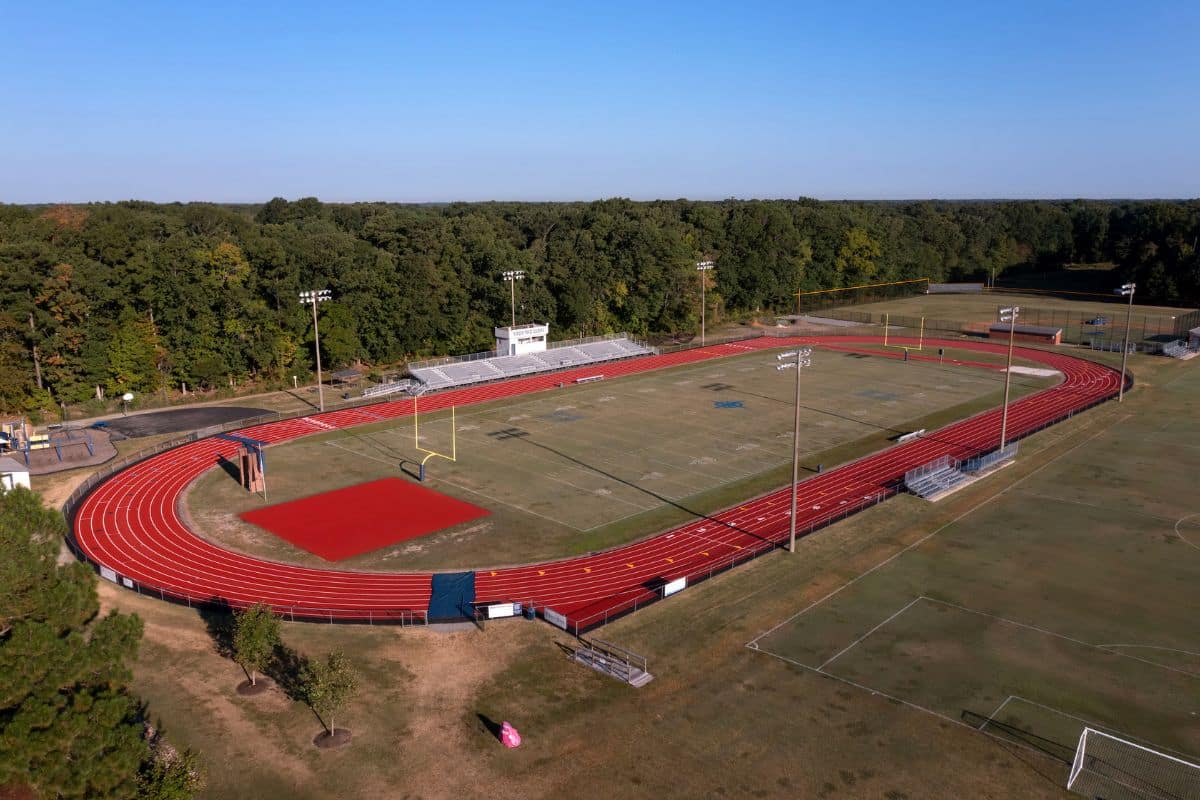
(587, 466)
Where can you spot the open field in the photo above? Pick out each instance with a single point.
(1147, 323)
(1087, 536)
(590, 466)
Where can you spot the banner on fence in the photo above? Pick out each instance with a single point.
(677, 585)
(108, 574)
(554, 618)
(502, 610)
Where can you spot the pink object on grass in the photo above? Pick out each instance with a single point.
(509, 735)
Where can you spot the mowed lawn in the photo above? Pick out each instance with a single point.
(1035, 309)
(593, 465)
(1068, 601)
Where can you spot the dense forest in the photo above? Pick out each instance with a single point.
(141, 297)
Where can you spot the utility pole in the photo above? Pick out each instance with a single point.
(803, 359)
(703, 267)
(1008, 315)
(1127, 290)
(312, 297)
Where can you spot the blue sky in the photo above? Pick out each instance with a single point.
(571, 100)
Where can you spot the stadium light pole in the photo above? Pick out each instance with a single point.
(1126, 290)
(703, 267)
(803, 359)
(312, 297)
(512, 276)
(1008, 315)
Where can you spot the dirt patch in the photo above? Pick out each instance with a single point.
(248, 689)
(340, 737)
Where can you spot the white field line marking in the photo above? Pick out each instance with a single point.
(1124, 509)
(995, 713)
(903, 702)
(850, 646)
(433, 479)
(1072, 639)
(1152, 647)
(361, 455)
(928, 536)
(1104, 728)
(1182, 538)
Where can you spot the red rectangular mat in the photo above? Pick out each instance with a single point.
(358, 519)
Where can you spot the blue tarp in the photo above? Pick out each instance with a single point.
(453, 596)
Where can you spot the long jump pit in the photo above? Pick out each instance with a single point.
(358, 519)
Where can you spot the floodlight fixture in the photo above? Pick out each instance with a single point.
(312, 297)
(512, 276)
(703, 267)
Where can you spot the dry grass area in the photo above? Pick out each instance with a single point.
(722, 720)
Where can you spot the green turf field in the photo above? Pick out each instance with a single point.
(594, 465)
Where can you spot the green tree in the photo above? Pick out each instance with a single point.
(69, 728)
(328, 685)
(170, 775)
(856, 261)
(255, 635)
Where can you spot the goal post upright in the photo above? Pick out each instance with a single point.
(453, 457)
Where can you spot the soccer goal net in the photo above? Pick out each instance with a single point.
(1112, 768)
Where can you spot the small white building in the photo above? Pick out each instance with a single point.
(13, 474)
(521, 339)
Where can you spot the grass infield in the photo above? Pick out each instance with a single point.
(587, 467)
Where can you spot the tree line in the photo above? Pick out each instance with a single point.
(144, 297)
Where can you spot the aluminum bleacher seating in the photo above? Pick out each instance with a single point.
(479, 370)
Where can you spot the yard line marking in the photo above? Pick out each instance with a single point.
(995, 713)
(850, 646)
(1047, 632)
(931, 534)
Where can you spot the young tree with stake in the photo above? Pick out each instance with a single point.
(255, 636)
(328, 685)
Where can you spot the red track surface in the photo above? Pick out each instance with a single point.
(358, 519)
(130, 523)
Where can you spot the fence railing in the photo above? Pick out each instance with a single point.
(989, 460)
(403, 617)
(937, 465)
(643, 597)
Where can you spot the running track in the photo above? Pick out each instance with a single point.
(131, 523)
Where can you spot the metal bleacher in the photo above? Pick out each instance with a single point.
(1176, 349)
(935, 478)
(483, 367)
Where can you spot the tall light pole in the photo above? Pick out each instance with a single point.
(1126, 290)
(1008, 315)
(703, 267)
(803, 359)
(312, 297)
(512, 276)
